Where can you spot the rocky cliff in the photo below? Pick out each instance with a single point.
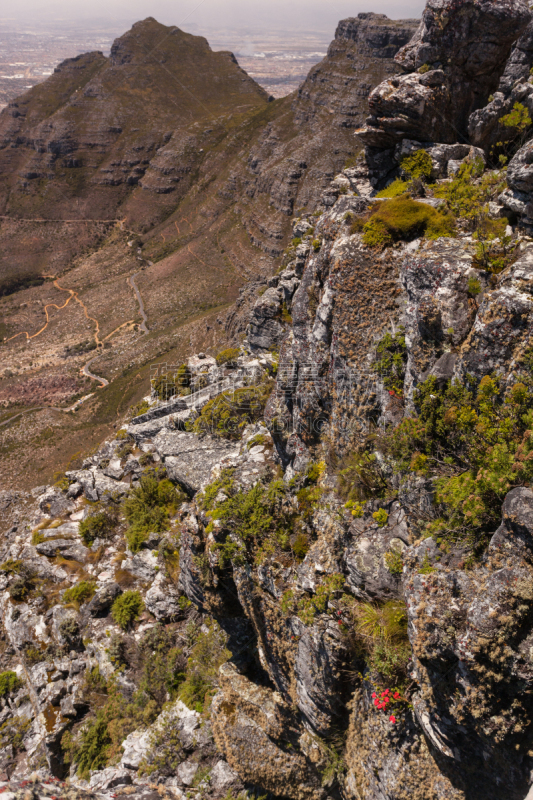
(304, 567)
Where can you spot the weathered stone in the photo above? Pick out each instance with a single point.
(367, 572)
(103, 599)
(189, 459)
(467, 48)
(162, 599)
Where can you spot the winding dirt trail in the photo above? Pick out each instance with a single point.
(73, 296)
(74, 407)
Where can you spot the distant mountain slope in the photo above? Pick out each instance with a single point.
(167, 160)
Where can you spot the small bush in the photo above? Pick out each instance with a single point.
(424, 68)
(394, 562)
(228, 356)
(207, 655)
(402, 219)
(474, 287)
(381, 517)
(376, 234)
(127, 608)
(300, 547)
(139, 408)
(384, 632)
(391, 360)
(467, 195)
(418, 165)
(70, 631)
(148, 509)
(80, 593)
(317, 244)
(394, 189)
(227, 414)
(9, 682)
(171, 384)
(99, 525)
(12, 567)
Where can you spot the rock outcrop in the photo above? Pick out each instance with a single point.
(454, 63)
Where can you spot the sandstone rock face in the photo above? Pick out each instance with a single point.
(484, 128)
(517, 197)
(466, 51)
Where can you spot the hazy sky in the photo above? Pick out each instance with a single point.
(197, 14)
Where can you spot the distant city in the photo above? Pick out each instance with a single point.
(278, 61)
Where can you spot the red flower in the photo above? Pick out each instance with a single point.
(392, 718)
(376, 702)
(374, 694)
(396, 695)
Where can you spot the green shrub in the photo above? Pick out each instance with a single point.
(468, 194)
(424, 68)
(208, 653)
(13, 732)
(518, 119)
(317, 244)
(228, 356)
(308, 606)
(495, 251)
(360, 479)
(474, 287)
(127, 608)
(394, 189)
(99, 525)
(139, 408)
(12, 567)
(391, 352)
(394, 562)
(222, 484)
(171, 384)
(381, 517)
(70, 631)
(301, 546)
(164, 665)
(417, 165)
(251, 523)
(94, 745)
(376, 233)
(9, 682)
(228, 413)
(148, 509)
(478, 444)
(80, 593)
(403, 218)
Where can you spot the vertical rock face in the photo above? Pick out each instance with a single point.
(359, 58)
(484, 127)
(462, 48)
